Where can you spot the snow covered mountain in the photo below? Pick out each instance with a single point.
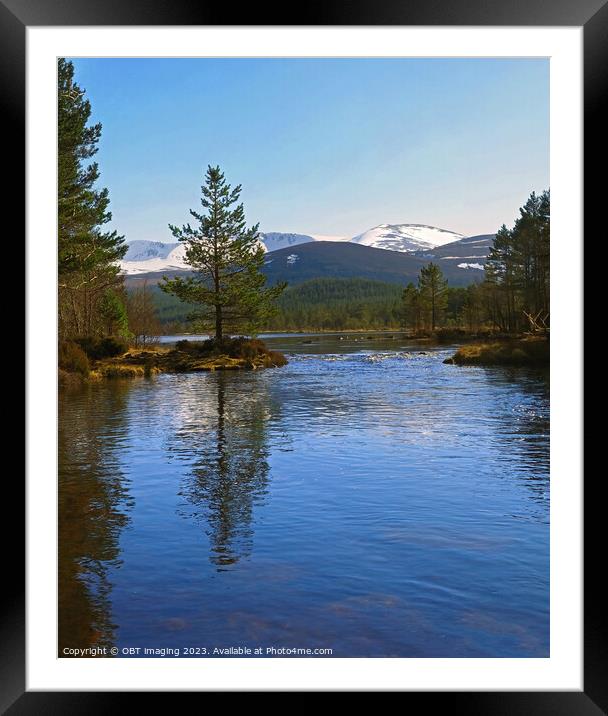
(146, 256)
(149, 256)
(172, 260)
(141, 250)
(406, 237)
(274, 240)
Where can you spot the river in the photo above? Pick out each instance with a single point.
(366, 498)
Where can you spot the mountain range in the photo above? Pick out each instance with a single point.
(388, 252)
(461, 266)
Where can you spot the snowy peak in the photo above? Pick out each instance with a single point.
(145, 256)
(275, 240)
(143, 250)
(172, 260)
(406, 237)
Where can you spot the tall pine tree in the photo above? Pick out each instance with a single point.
(501, 274)
(228, 286)
(87, 256)
(433, 289)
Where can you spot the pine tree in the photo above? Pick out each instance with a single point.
(433, 289)
(517, 270)
(531, 252)
(501, 273)
(113, 313)
(87, 256)
(228, 286)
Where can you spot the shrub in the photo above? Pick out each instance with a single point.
(274, 359)
(106, 347)
(187, 346)
(246, 348)
(447, 335)
(72, 358)
(70, 381)
(122, 370)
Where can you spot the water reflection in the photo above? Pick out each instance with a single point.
(522, 427)
(379, 504)
(226, 441)
(93, 503)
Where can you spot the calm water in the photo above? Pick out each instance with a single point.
(365, 498)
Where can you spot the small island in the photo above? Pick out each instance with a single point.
(226, 292)
(89, 361)
(532, 351)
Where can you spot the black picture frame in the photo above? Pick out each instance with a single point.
(17, 15)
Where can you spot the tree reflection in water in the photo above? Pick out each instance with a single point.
(93, 502)
(226, 434)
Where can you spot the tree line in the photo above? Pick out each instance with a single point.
(329, 304)
(514, 296)
(517, 271)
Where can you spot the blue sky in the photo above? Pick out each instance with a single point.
(322, 146)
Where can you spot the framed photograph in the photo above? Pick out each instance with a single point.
(304, 353)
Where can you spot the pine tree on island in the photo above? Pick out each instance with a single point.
(227, 288)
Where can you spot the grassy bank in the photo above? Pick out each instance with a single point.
(529, 351)
(85, 361)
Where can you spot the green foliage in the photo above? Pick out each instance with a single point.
(72, 358)
(97, 347)
(87, 256)
(433, 292)
(113, 313)
(424, 306)
(518, 269)
(228, 286)
(515, 295)
(328, 304)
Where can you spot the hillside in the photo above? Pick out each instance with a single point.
(472, 250)
(348, 260)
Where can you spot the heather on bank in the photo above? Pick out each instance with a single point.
(238, 347)
(529, 351)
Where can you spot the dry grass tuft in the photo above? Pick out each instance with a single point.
(530, 351)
